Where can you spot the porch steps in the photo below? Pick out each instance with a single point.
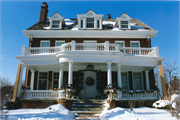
(88, 108)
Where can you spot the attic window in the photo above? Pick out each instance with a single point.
(55, 24)
(124, 24)
(90, 22)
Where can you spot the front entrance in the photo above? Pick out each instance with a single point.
(89, 89)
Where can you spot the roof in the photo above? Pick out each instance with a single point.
(108, 24)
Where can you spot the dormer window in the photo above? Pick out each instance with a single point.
(123, 21)
(124, 24)
(55, 24)
(90, 22)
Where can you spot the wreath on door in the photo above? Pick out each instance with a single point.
(90, 81)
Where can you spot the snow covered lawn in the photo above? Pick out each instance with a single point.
(54, 112)
(143, 113)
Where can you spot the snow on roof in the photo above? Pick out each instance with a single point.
(108, 22)
(75, 27)
(69, 21)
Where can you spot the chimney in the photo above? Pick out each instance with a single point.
(108, 16)
(44, 12)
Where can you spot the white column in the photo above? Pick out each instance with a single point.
(73, 45)
(109, 82)
(107, 45)
(32, 79)
(159, 81)
(119, 76)
(20, 81)
(70, 80)
(147, 79)
(60, 75)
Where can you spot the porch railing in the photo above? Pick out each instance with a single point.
(135, 96)
(41, 94)
(73, 46)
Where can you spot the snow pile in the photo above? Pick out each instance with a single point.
(142, 113)
(54, 112)
(175, 98)
(69, 21)
(161, 103)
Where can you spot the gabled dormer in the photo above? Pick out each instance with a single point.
(56, 21)
(90, 20)
(123, 21)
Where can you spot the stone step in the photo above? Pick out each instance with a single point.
(86, 109)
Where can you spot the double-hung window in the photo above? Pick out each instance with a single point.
(43, 78)
(124, 80)
(137, 81)
(56, 80)
(55, 24)
(121, 45)
(44, 44)
(90, 22)
(124, 24)
(59, 43)
(135, 44)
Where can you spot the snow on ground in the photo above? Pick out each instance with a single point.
(54, 112)
(161, 103)
(175, 98)
(142, 113)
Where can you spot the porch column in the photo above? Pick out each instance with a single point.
(20, 81)
(119, 76)
(109, 82)
(70, 81)
(60, 75)
(159, 81)
(32, 79)
(147, 79)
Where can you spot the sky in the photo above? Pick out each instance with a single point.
(16, 16)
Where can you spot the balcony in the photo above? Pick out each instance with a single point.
(106, 47)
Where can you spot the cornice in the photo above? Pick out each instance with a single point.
(88, 34)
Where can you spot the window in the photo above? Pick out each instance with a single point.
(81, 23)
(135, 44)
(55, 24)
(124, 81)
(90, 22)
(121, 45)
(56, 80)
(45, 43)
(124, 24)
(59, 43)
(43, 77)
(137, 81)
(97, 23)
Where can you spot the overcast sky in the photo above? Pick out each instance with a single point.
(16, 16)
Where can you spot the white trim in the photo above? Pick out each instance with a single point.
(47, 79)
(135, 42)
(91, 41)
(59, 41)
(120, 42)
(45, 41)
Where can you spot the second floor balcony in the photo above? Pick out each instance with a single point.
(103, 47)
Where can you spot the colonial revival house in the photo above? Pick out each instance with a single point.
(90, 54)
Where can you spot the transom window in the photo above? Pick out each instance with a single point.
(59, 43)
(43, 76)
(137, 80)
(124, 24)
(90, 22)
(55, 24)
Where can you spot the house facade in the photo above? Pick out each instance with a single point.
(88, 55)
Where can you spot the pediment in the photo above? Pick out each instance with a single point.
(90, 13)
(56, 16)
(124, 16)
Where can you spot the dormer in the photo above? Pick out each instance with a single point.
(90, 20)
(56, 21)
(123, 21)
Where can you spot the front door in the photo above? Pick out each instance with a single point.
(89, 91)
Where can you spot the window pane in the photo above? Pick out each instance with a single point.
(124, 22)
(137, 77)
(124, 81)
(45, 44)
(121, 44)
(55, 24)
(90, 22)
(56, 75)
(55, 84)
(97, 23)
(124, 26)
(135, 44)
(43, 75)
(81, 23)
(59, 43)
(42, 84)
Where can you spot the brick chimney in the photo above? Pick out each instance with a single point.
(108, 16)
(44, 12)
